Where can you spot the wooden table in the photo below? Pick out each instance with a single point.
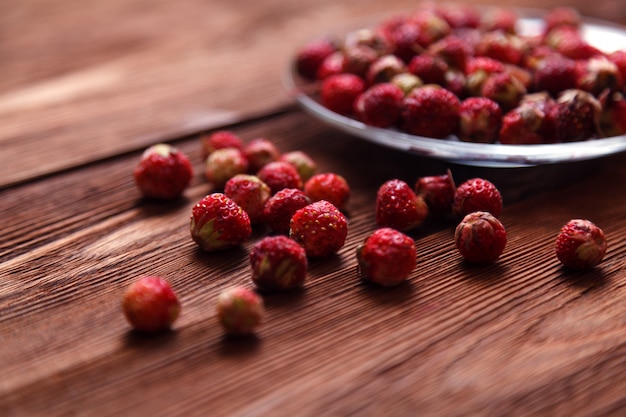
(87, 85)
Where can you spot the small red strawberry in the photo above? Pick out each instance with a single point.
(580, 244)
(619, 59)
(569, 42)
(333, 64)
(562, 16)
(150, 305)
(431, 69)
(504, 89)
(407, 82)
(459, 15)
(405, 39)
(597, 75)
(477, 70)
(438, 193)
(454, 50)
(330, 187)
(304, 164)
(480, 120)
(554, 74)
(398, 206)
(523, 125)
(278, 263)
(614, 116)
(358, 59)
(338, 92)
(480, 238)
(384, 69)
(280, 174)
(387, 257)
(579, 115)
(219, 140)
(260, 152)
(501, 19)
(432, 26)
(240, 311)
(379, 105)
(217, 222)
(223, 164)
(281, 207)
(371, 38)
(504, 47)
(477, 194)
(249, 192)
(310, 56)
(163, 172)
(422, 103)
(320, 228)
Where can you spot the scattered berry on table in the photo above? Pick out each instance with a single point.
(580, 244)
(219, 140)
(398, 207)
(480, 120)
(477, 194)
(379, 105)
(281, 207)
(338, 92)
(240, 311)
(387, 257)
(280, 174)
(321, 228)
(223, 164)
(163, 172)
(217, 222)
(438, 193)
(278, 263)
(150, 305)
(480, 238)
(330, 187)
(249, 192)
(260, 152)
(310, 56)
(422, 103)
(305, 165)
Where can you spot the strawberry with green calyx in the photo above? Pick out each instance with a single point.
(217, 223)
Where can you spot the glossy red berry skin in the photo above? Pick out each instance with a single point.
(163, 172)
(480, 120)
(260, 152)
(477, 194)
(438, 193)
(387, 257)
(480, 238)
(219, 140)
(281, 207)
(398, 207)
(340, 91)
(278, 263)
(280, 174)
(240, 311)
(217, 222)
(249, 192)
(320, 228)
(330, 187)
(150, 305)
(422, 103)
(310, 56)
(379, 105)
(580, 244)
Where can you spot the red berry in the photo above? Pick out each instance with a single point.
(480, 120)
(217, 222)
(562, 16)
(303, 163)
(501, 19)
(219, 140)
(330, 187)
(280, 174)
(504, 47)
(333, 64)
(580, 244)
(278, 263)
(398, 206)
(424, 102)
(239, 310)
(480, 238)
(504, 89)
(379, 105)
(554, 74)
(163, 172)
(260, 152)
(338, 92)
(569, 42)
(579, 115)
(384, 69)
(477, 194)
(431, 69)
(438, 193)
(310, 56)
(249, 192)
(358, 59)
(387, 257)
(223, 164)
(150, 305)
(320, 228)
(522, 125)
(460, 15)
(598, 75)
(454, 50)
(477, 70)
(619, 59)
(281, 207)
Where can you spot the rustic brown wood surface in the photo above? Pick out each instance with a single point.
(86, 86)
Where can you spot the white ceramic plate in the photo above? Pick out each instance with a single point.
(604, 35)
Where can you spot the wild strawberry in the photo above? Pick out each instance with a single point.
(398, 206)
(320, 228)
(598, 75)
(371, 38)
(260, 152)
(455, 82)
(163, 172)
(217, 222)
(438, 193)
(477, 70)
(387, 257)
(480, 238)
(431, 69)
(480, 120)
(310, 56)
(384, 69)
(504, 89)
(454, 50)
(613, 120)
(460, 15)
(333, 64)
(525, 125)
(569, 42)
(304, 164)
(619, 59)
(579, 115)
(477, 194)
(407, 82)
(420, 105)
(358, 59)
(330, 187)
(278, 263)
(405, 40)
(219, 140)
(338, 92)
(249, 192)
(554, 74)
(281, 207)
(150, 305)
(432, 27)
(561, 16)
(580, 244)
(501, 19)
(379, 105)
(280, 174)
(240, 311)
(223, 164)
(504, 47)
